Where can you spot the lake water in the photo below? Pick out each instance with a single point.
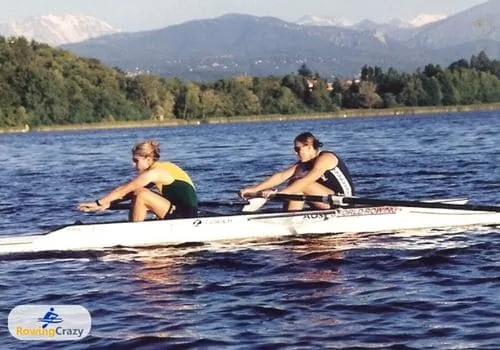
(441, 291)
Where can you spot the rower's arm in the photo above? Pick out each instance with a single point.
(325, 162)
(272, 181)
(147, 177)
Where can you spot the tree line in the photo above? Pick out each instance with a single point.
(40, 85)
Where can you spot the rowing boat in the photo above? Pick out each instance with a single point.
(353, 219)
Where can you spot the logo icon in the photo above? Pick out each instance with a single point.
(58, 322)
(50, 317)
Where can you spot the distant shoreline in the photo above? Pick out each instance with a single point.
(259, 118)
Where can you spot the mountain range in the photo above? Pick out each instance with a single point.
(236, 44)
(57, 30)
(239, 44)
(418, 21)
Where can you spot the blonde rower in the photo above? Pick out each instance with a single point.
(175, 194)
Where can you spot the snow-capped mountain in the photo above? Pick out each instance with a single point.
(425, 18)
(481, 22)
(396, 23)
(397, 28)
(57, 30)
(310, 20)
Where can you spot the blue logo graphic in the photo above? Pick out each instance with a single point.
(50, 317)
(44, 322)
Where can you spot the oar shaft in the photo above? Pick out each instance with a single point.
(417, 204)
(119, 206)
(301, 197)
(342, 201)
(221, 203)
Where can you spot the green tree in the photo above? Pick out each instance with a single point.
(481, 62)
(389, 100)
(268, 90)
(391, 82)
(287, 102)
(451, 95)
(368, 95)
(489, 90)
(212, 104)
(319, 98)
(466, 82)
(433, 91)
(304, 71)
(145, 88)
(413, 93)
(189, 104)
(168, 105)
(431, 70)
(462, 63)
(298, 85)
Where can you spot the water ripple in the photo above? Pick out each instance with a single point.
(434, 289)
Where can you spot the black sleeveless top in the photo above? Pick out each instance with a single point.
(337, 179)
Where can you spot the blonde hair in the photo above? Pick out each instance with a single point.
(147, 148)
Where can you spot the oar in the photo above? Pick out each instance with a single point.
(250, 205)
(344, 201)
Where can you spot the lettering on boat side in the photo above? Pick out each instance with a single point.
(198, 222)
(353, 212)
(367, 211)
(315, 216)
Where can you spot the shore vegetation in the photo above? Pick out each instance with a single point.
(46, 88)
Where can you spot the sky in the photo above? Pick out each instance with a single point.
(137, 15)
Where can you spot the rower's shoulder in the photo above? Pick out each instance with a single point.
(327, 159)
(158, 172)
(165, 166)
(327, 155)
(162, 164)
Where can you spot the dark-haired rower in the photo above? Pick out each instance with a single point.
(316, 173)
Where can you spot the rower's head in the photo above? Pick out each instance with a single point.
(307, 146)
(145, 154)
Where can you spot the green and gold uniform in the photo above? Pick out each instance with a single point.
(181, 192)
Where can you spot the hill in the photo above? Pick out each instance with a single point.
(235, 44)
(42, 86)
(242, 44)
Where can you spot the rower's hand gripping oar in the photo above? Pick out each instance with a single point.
(347, 201)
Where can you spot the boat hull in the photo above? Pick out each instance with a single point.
(244, 226)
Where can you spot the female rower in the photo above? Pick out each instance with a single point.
(316, 173)
(176, 196)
